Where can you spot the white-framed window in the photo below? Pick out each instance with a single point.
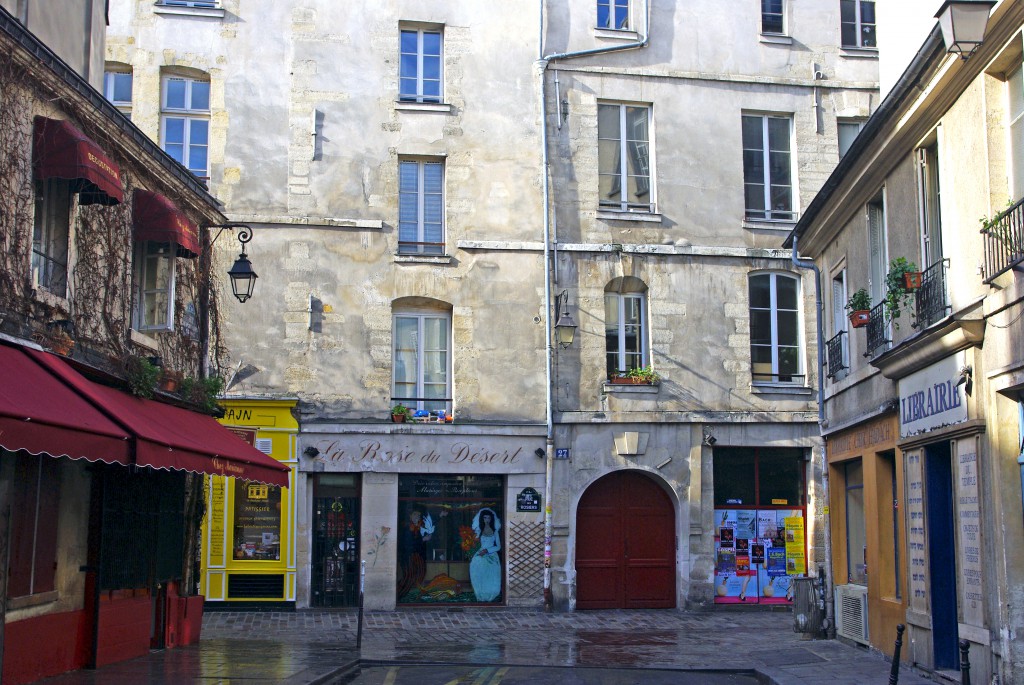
(420, 207)
(155, 273)
(421, 373)
(857, 23)
(773, 17)
(878, 251)
(51, 235)
(117, 87)
(775, 337)
(624, 157)
(613, 15)
(419, 77)
(931, 203)
(848, 130)
(768, 167)
(185, 122)
(1015, 93)
(625, 325)
(838, 345)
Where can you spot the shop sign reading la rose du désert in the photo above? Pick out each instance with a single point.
(932, 398)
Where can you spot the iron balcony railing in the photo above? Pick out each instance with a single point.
(930, 299)
(1004, 241)
(877, 329)
(835, 354)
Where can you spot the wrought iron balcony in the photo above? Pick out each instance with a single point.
(877, 329)
(930, 299)
(1004, 241)
(835, 354)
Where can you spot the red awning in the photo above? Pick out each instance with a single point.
(62, 151)
(158, 219)
(42, 415)
(168, 437)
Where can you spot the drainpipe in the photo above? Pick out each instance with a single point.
(829, 598)
(549, 443)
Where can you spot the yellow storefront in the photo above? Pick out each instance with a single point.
(248, 547)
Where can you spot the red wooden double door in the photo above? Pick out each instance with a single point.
(625, 545)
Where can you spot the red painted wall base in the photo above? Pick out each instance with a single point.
(124, 627)
(44, 646)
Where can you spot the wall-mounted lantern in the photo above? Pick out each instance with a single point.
(565, 325)
(963, 25)
(243, 278)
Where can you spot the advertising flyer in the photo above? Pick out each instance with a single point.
(758, 551)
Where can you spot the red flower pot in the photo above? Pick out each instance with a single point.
(860, 318)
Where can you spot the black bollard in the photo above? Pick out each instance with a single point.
(965, 663)
(894, 672)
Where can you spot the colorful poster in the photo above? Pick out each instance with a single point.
(796, 561)
(746, 523)
(757, 553)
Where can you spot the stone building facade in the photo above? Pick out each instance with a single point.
(923, 427)
(427, 184)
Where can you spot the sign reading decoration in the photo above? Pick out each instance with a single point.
(931, 398)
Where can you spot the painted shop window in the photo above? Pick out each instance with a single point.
(624, 157)
(185, 123)
(419, 78)
(856, 529)
(759, 515)
(613, 14)
(772, 17)
(450, 539)
(775, 341)
(257, 521)
(857, 21)
(117, 88)
(768, 167)
(625, 325)
(34, 516)
(420, 207)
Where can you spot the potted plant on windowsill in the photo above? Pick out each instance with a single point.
(641, 375)
(897, 294)
(142, 376)
(400, 413)
(170, 380)
(859, 307)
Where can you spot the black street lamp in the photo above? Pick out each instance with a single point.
(565, 325)
(963, 25)
(243, 278)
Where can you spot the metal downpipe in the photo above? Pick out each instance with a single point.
(829, 597)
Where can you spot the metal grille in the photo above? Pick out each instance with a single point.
(931, 296)
(525, 560)
(834, 353)
(143, 527)
(877, 329)
(335, 572)
(1004, 241)
(255, 586)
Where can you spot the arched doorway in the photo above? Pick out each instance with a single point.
(625, 545)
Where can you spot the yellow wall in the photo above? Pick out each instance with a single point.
(273, 421)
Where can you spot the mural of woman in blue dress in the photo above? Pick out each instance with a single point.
(485, 568)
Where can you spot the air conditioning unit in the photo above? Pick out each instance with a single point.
(808, 614)
(852, 612)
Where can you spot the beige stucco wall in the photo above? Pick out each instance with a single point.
(74, 29)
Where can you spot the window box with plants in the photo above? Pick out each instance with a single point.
(641, 375)
(859, 307)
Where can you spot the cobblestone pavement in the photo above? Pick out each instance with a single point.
(313, 646)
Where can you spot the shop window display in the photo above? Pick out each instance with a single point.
(257, 521)
(450, 542)
(759, 524)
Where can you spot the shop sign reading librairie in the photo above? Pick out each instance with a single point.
(931, 397)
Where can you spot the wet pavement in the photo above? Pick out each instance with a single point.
(507, 646)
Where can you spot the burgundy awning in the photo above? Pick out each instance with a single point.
(59, 150)
(168, 437)
(156, 218)
(42, 415)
